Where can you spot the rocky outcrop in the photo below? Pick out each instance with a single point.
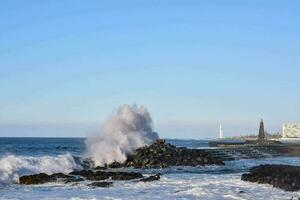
(162, 155)
(157, 155)
(103, 175)
(285, 177)
(77, 176)
(45, 178)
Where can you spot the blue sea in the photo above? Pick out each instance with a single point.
(23, 156)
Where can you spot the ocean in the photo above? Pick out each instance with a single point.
(22, 156)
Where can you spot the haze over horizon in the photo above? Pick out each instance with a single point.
(65, 66)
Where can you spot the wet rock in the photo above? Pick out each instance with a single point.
(100, 168)
(285, 177)
(34, 179)
(162, 155)
(73, 179)
(126, 176)
(92, 175)
(45, 178)
(103, 175)
(100, 184)
(151, 178)
(115, 165)
(77, 176)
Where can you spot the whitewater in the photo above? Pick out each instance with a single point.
(21, 156)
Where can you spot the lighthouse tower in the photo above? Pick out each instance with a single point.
(261, 134)
(221, 136)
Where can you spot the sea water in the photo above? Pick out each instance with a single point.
(22, 156)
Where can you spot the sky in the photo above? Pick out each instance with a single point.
(67, 65)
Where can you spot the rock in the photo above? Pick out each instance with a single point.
(91, 175)
(73, 179)
(115, 165)
(151, 178)
(162, 155)
(34, 179)
(100, 168)
(126, 176)
(77, 176)
(45, 178)
(285, 177)
(103, 175)
(100, 184)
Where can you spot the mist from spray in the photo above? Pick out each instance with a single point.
(128, 129)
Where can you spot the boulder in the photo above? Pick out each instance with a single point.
(151, 178)
(103, 175)
(100, 168)
(285, 177)
(115, 165)
(45, 178)
(122, 176)
(100, 184)
(77, 176)
(34, 179)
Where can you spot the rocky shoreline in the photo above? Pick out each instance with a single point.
(97, 178)
(163, 155)
(285, 177)
(157, 155)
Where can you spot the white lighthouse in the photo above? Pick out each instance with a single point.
(221, 136)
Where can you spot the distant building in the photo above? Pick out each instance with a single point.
(291, 130)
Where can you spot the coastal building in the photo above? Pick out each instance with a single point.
(291, 130)
(290, 134)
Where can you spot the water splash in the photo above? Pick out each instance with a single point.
(128, 129)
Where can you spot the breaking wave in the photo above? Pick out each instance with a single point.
(12, 167)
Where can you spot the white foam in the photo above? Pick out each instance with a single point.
(12, 167)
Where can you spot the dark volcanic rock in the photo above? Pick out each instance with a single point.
(35, 179)
(285, 177)
(100, 168)
(103, 175)
(100, 184)
(92, 175)
(77, 176)
(115, 165)
(126, 176)
(151, 178)
(162, 155)
(45, 178)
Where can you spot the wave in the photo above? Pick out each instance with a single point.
(12, 166)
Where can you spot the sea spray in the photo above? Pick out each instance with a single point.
(128, 129)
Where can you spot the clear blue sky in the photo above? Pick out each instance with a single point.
(65, 65)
